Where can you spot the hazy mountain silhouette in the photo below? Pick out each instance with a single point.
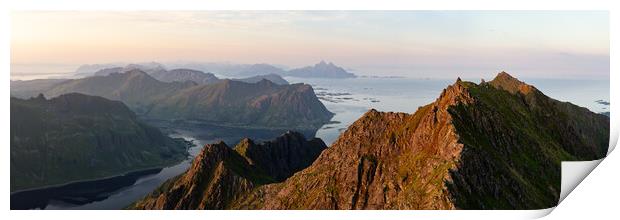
(321, 70)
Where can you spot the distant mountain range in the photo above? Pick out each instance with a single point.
(76, 137)
(319, 70)
(230, 102)
(181, 75)
(493, 145)
(233, 70)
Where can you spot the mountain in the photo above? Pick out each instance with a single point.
(321, 70)
(31, 88)
(493, 145)
(108, 71)
(135, 88)
(261, 104)
(153, 69)
(89, 69)
(259, 69)
(150, 68)
(182, 75)
(107, 68)
(76, 137)
(232, 70)
(275, 78)
(220, 174)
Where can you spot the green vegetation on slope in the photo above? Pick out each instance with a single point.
(515, 138)
(76, 137)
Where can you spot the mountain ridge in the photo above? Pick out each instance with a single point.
(236, 103)
(493, 145)
(220, 175)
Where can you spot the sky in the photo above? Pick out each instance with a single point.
(441, 44)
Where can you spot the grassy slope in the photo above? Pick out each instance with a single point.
(519, 140)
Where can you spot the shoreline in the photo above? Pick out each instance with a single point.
(227, 125)
(88, 180)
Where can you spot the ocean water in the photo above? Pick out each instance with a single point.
(351, 98)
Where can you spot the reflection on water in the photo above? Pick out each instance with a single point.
(79, 193)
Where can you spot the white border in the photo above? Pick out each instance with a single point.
(605, 173)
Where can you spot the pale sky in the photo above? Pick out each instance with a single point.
(441, 44)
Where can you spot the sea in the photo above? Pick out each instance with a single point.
(347, 98)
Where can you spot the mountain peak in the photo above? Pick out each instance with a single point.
(511, 84)
(505, 76)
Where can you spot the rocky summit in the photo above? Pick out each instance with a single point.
(493, 145)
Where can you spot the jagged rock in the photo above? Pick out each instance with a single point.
(220, 175)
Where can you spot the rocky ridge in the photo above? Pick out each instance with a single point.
(493, 145)
(221, 175)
